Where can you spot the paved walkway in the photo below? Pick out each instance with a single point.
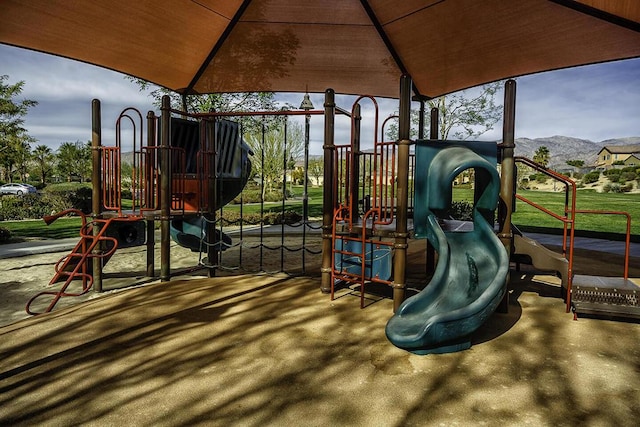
(61, 245)
(600, 245)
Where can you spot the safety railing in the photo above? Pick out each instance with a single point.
(111, 169)
(568, 219)
(74, 266)
(627, 244)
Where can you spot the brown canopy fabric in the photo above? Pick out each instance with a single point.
(352, 46)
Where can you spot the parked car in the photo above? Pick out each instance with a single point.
(17, 189)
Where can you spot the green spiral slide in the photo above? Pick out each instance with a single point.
(470, 277)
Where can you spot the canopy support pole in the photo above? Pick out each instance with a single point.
(507, 176)
(401, 234)
(328, 198)
(165, 191)
(96, 188)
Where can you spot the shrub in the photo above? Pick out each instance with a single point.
(27, 206)
(541, 178)
(612, 188)
(5, 235)
(254, 195)
(269, 218)
(73, 195)
(461, 210)
(591, 177)
(626, 176)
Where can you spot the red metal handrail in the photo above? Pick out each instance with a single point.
(628, 233)
(569, 219)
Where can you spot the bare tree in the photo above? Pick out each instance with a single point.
(274, 151)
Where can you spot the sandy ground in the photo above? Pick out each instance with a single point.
(257, 350)
(24, 277)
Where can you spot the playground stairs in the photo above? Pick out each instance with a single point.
(590, 294)
(76, 266)
(529, 251)
(358, 261)
(609, 296)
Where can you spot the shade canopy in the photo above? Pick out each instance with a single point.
(352, 46)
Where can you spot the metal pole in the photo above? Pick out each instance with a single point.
(355, 170)
(151, 244)
(305, 195)
(327, 194)
(400, 244)
(96, 187)
(434, 133)
(507, 175)
(213, 255)
(507, 167)
(165, 190)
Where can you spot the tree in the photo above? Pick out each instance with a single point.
(316, 169)
(14, 140)
(44, 162)
(465, 114)
(215, 102)
(272, 154)
(74, 160)
(575, 163)
(22, 156)
(542, 156)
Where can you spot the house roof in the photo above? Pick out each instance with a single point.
(621, 149)
(352, 46)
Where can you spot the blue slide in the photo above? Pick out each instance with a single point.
(470, 277)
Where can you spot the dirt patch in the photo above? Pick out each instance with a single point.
(23, 278)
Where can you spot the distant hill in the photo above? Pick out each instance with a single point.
(563, 148)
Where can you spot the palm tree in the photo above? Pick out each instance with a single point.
(542, 156)
(44, 158)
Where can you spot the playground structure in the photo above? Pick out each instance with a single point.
(190, 167)
(374, 203)
(471, 278)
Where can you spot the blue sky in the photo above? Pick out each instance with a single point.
(595, 102)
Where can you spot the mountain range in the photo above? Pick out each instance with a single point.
(563, 148)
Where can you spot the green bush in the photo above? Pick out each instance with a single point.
(612, 188)
(461, 210)
(5, 235)
(591, 177)
(73, 195)
(254, 195)
(541, 178)
(27, 206)
(269, 218)
(54, 198)
(627, 176)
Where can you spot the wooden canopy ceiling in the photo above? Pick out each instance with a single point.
(352, 46)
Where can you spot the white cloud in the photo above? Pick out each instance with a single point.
(594, 102)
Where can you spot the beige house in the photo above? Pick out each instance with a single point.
(608, 155)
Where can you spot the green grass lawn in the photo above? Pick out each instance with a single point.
(524, 214)
(295, 204)
(585, 200)
(32, 228)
